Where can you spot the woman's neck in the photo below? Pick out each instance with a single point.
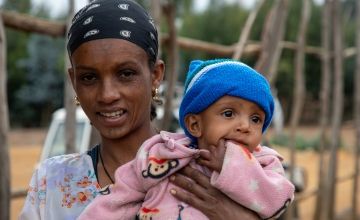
(117, 152)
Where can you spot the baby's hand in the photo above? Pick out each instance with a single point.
(214, 157)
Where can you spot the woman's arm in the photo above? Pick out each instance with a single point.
(35, 197)
(204, 197)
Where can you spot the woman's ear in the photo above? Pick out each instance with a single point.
(193, 125)
(158, 73)
(71, 76)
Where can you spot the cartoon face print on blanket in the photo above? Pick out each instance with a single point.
(146, 214)
(158, 168)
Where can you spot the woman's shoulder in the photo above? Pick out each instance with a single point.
(69, 175)
(67, 160)
(66, 183)
(68, 164)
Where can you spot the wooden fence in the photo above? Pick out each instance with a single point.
(275, 25)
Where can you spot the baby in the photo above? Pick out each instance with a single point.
(227, 106)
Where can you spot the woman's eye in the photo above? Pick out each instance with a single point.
(228, 113)
(126, 74)
(88, 78)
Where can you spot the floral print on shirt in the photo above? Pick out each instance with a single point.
(61, 188)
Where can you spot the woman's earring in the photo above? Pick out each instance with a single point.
(76, 100)
(156, 98)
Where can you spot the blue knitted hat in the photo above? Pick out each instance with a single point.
(208, 81)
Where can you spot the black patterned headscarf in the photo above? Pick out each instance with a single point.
(120, 19)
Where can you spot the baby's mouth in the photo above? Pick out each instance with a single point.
(237, 142)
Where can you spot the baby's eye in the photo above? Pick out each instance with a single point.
(228, 113)
(256, 119)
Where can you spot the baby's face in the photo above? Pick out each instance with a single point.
(232, 119)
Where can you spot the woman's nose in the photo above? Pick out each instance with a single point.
(109, 91)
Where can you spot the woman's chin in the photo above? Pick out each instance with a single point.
(114, 133)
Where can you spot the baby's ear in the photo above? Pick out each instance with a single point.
(193, 124)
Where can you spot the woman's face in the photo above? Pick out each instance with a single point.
(114, 83)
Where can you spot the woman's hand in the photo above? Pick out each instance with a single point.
(204, 197)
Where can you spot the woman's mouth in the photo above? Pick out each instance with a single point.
(112, 114)
(113, 118)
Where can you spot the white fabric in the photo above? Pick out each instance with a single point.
(60, 188)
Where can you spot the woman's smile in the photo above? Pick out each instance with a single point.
(112, 119)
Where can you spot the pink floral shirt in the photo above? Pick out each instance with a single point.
(60, 188)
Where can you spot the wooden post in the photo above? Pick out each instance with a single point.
(70, 107)
(32, 24)
(299, 90)
(155, 9)
(172, 74)
(356, 116)
(337, 106)
(271, 40)
(324, 110)
(5, 186)
(246, 31)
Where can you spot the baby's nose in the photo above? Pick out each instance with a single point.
(242, 125)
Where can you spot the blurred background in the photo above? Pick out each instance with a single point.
(308, 49)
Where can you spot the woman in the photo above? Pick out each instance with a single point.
(115, 73)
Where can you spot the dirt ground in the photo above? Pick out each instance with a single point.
(25, 149)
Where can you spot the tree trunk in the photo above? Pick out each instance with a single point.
(356, 115)
(299, 88)
(4, 127)
(271, 40)
(70, 107)
(324, 111)
(246, 31)
(155, 9)
(171, 75)
(337, 107)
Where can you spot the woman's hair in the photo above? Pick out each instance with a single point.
(153, 112)
(119, 19)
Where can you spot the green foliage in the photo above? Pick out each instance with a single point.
(35, 66)
(16, 44)
(301, 142)
(23, 6)
(314, 26)
(349, 24)
(214, 24)
(261, 18)
(43, 88)
(31, 58)
(220, 23)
